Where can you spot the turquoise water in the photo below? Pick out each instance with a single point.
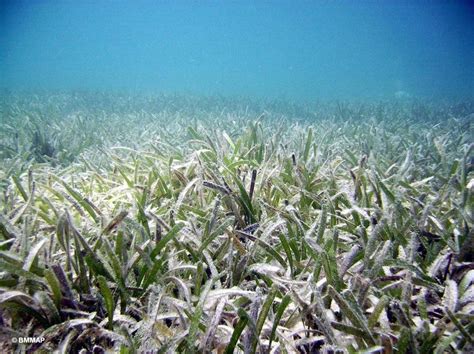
(290, 49)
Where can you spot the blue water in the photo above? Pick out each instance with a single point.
(290, 49)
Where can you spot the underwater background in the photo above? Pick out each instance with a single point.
(301, 50)
(236, 177)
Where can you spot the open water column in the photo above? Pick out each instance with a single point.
(236, 177)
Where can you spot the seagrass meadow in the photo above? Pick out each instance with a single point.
(135, 223)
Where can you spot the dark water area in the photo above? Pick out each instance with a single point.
(273, 49)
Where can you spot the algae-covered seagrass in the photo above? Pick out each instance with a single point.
(193, 224)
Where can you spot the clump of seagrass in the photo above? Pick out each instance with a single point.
(41, 147)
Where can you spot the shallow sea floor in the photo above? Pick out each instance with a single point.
(193, 224)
